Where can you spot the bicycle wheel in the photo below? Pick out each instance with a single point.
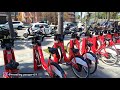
(57, 71)
(108, 56)
(117, 46)
(37, 62)
(92, 60)
(60, 53)
(80, 67)
(68, 46)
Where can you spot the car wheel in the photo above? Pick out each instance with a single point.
(19, 27)
(25, 35)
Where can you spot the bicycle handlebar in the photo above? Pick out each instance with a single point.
(8, 43)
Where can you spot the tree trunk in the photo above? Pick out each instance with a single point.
(15, 16)
(60, 22)
(95, 17)
(10, 25)
(108, 16)
(81, 16)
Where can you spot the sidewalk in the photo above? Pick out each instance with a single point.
(24, 55)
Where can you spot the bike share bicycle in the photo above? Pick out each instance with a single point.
(54, 70)
(106, 54)
(79, 66)
(11, 66)
(114, 39)
(82, 45)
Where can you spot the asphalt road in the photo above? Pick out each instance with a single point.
(23, 53)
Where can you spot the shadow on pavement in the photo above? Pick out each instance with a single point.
(28, 68)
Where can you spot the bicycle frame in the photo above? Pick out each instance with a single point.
(71, 58)
(94, 47)
(44, 65)
(71, 54)
(9, 55)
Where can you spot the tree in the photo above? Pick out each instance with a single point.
(108, 16)
(16, 16)
(60, 22)
(66, 16)
(81, 16)
(10, 25)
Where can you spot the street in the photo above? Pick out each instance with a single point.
(24, 55)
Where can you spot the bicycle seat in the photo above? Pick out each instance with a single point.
(75, 50)
(12, 65)
(89, 44)
(52, 50)
(107, 39)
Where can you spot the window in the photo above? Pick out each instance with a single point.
(37, 26)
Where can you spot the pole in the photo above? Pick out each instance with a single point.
(81, 16)
(60, 22)
(15, 16)
(10, 25)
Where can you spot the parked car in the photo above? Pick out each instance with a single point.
(45, 29)
(5, 32)
(71, 27)
(16, 25)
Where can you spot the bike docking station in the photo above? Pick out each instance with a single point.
(10, 63)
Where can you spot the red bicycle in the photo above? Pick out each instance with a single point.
(106, 54)
(11, 66)
(79, 66)
(83, 49)
(53, 69)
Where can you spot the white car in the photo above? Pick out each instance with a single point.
(36, 26)
(16, 25)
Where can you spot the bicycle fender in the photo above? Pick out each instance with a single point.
(90, 56)
(80, 61)
(117, 46)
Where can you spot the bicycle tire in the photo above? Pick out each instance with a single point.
(60, 54)
(92, 64)
(57, 70)
(37, 60)
(110, 51)
(80, 61)
(67, 47)
(117, 47)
